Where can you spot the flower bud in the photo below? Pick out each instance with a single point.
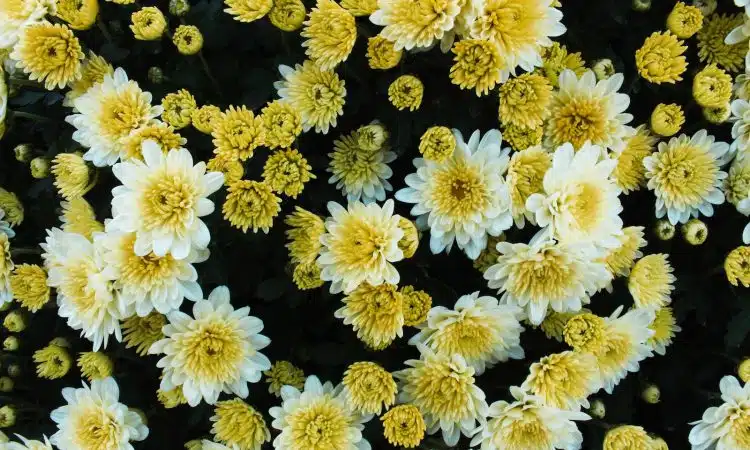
(179, 7)
(11, 343)
(743, 370)
(597, 409)
(6, 384)
(60, 342)
(15, 322)
(664, 230)
(717, 115)
(14, 370)
(39, 167)
(641, 5)
(651, 394)
(603, 69)
(23, 152)
(7, 416)
(155, 75)
(695, 232)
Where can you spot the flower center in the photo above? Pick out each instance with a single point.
(467, 337)
(145, 271)
(169, 202)
(122, 113)
(578, 121)
(527, 432)
(213, 352)
(459, 192)
(545, 276)
(441, 391)
(97, 429)
(320, 426)
(583, 202)
(686, 175)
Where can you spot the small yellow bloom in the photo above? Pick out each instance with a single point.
(141, 332)
(372, 137)
(417, 305)
(660, 59)
(12, 206)
(171, 399)
(717, 115)
(666, 120)
(381, 53)
(695, 232)
(79, 217)
(556, 58)
(205, 117)
(286, 172)
(603, 69)
(712, 87)
(630, 173)
(23, 152)
(15, 321)
(651, 281)
(159, 132)
(79, 14)
(477, 65)
(626, 437)
(521, 138)
(29, 286)
(303, 235)
(251, 204)
(95, 365)
(525, 100)
(11, 343)
(178, 108)
(287, 15)
(410, 241)
(597, 409)
(282, 124)
(188, 39)
(237, 424)
(49, 53)
(232, 169)
(403, 426)
(39, 167)
(72, 175)
(584, 332)
(684, 21)
(248, 10)
(368, 388)
(711, 46)
(737, 266)
(284, 373)
(437, 143)
(238, 132)
(148, 24)
(179, 7)
(52, 362)
(307, 276)
(406, 92)
(331, 32)
(664, 229)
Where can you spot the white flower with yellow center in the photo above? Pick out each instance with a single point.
(85, 291)
(150, 282)
(359, 245)
(16, 14)
(464, 198)
(107, 113)
(520, 28)
(564, 380)
(162, 199)
(529, 424)
(415, 23)
(95, 419)
(217, 350)
(685, 176)
(361, 173)
(580, 200)
(317, 418)
(479, 329)
(545, 274)
(442, 387)
(726, 427)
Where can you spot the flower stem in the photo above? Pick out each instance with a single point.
(25, 251)
(103, 28)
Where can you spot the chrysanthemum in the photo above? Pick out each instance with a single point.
(728, 425)
(477, 65)
(620, 259)
(554, 323)
(52, 362)
(238, 132)
(93, 70)
(79, 217)
(685, 176)
(406, 92)
(409, 24)
(629, 173)
(148, 23)
(162, 200)
(650, 282)
(403, 425)
(303, 236)
(586, 110)
(232, 168)
(331, 32)
(479, 329)
(287, 15)
(520, 138)
(248, 10)
(584, 332)
(737, 266)
(85, 293)
(437, 143)
(546, 275)
(443, 389)
(28, 283)
(361, 174)
(626, 437)
(525, 177)
(665, 328)
(666, 120)
(282, 124)
(284, 373)
(525, 100)
(28, 444)
(95, 365)
(286, 172)
(717, 115)
(564, 380)
(712, 87)
(318, 95)
(580, 200)
(520, 28)
(556, 58)
(107, 113)
(217, 350)
(711, 46)
(416, 307)
(307, 276)
(12, 206)
(49, 53)
(178, 108)
(205, 118)
(94, 418)
(684, 20)
(360, 7)
(368, 388)
(317, 418)
(376, 314)
(157, 131)
(661, 59)
(79, 15)
(16, 15)
(463, 198)
(741, 87)
(251, 204)
(141, 332)
(171, 399)
(360, 245)
(239, 425)
(381, 54)
(530, 424)
(188, 39)
(72, 175)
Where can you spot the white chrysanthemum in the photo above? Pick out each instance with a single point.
(584, 109)
(442, 387)
(564, 380)
(479, 329)
(685, 176)
(107, 113)
(413, 24)
(94, 418)
(580, 200)
(520, 29)
(726, 427)
(85, 292)
(529, 424)
(217, 350)
(162, 199)
(740, 33)
(360, 173)
(463, 198)
(16, 14)
(741, 128)
(150, 282)
(5, 226)
(360, 245)
(546, 274)
(317, 418)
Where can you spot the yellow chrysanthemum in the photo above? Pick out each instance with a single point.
(737, 266)
(553, 325)
(282, 124)
(204, 118)
(79, 217)
(403, 426)
(29, 285)
(368, 388)
(488, 257)
(303, 235)
(93, 70)
(188, 39)
(477, 65)
(524, 101)
(737, 184)
(406, 91)
(585, 332)
(372, 137)
(524, 177)
(712, 87)
(627, 437)
(52, 362)
(375, 312)
(238, 132)
(556, 58)
(331, 32)
(629, 173)
(417, 305)
(620, 260)
(437, 143)
(410, 241)
(284, 373)
(360, 7)
(148, 24)
(660, 59)
(171, 399)
(15, 321)
(79, 14)
(49, 53)
(666, 120)
(563, 380)
(717, 115)
(72, 175)
(381, 53)
(95, 365)
(684, 20)
(287, 15)
(141, 332)
(178, 108)
(307, 276)
(711, 46)
(248, 10)
(232, 168)
(521, 138)
(12, 207)
(159, 132)
(251, 204)
(651, 281)
(7, 416)
(286, 172)
(239, 425)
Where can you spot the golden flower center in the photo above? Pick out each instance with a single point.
(527, 431)
(169, 201)
(441, 391)
(510, 23)
(583, 202)
(468, 337)
(585, 332)
(739, 430)
(685, 175)
(76, 287)
(459, 192)
(213, 352)
(319, 426)
(97, 429)
(122, 113)
(147, 271)
(547, 275)
(361, 244)
(580, 120)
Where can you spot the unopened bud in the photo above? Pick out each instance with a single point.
(39, 167)
(695, 232)
(651, 394)
(23, 152)
(597, 409)
(707, 7)
(744, 370)
(664, 230)
(155, 75)
(15, 321)
(6, 384)
(179, 7)
(641, 5)
(603, 69)
(14, 370)
(11, 343)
